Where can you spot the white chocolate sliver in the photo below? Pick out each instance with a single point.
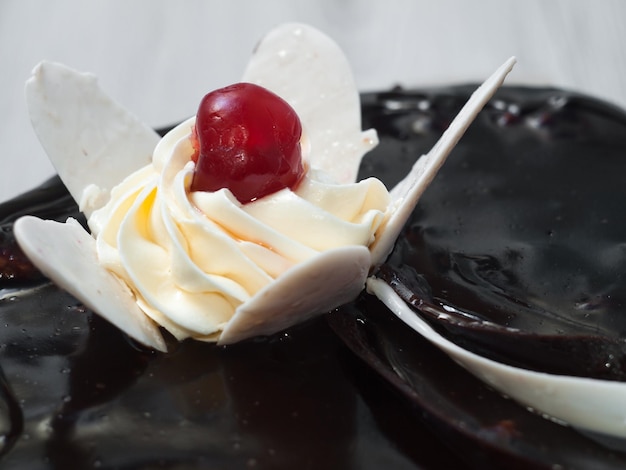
(66, 253)
(407, 192)
(589, 404)
(92, 141)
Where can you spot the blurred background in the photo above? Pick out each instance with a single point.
(159, 57)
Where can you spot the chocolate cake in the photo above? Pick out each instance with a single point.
(521, 232)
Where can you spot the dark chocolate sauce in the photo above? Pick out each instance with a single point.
(77, 393)
(518, 248)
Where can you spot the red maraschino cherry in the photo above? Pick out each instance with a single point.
(247, 139)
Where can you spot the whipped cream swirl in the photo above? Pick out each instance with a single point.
(191, 258)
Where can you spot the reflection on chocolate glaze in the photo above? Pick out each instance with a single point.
(488, 430)
(285, 398)
(104, 366)
(517, 250)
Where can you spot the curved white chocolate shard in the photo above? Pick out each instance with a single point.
(66, 253)
(316, 286)
(589, 404)
(92, 141)
(407, 192)
(309, 70)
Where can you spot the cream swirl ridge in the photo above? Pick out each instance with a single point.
(192, 258)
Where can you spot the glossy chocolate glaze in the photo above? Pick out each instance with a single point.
(76, 393)
(518, 249)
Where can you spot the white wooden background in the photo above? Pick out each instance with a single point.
(159, 57)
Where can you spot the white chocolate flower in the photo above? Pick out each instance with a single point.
(201, 264)
(103, 155)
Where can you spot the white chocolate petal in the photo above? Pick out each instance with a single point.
(309, 71)
(407, 192)
(92, 141)
(315, 286)
(593, 405)
(66, 253)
